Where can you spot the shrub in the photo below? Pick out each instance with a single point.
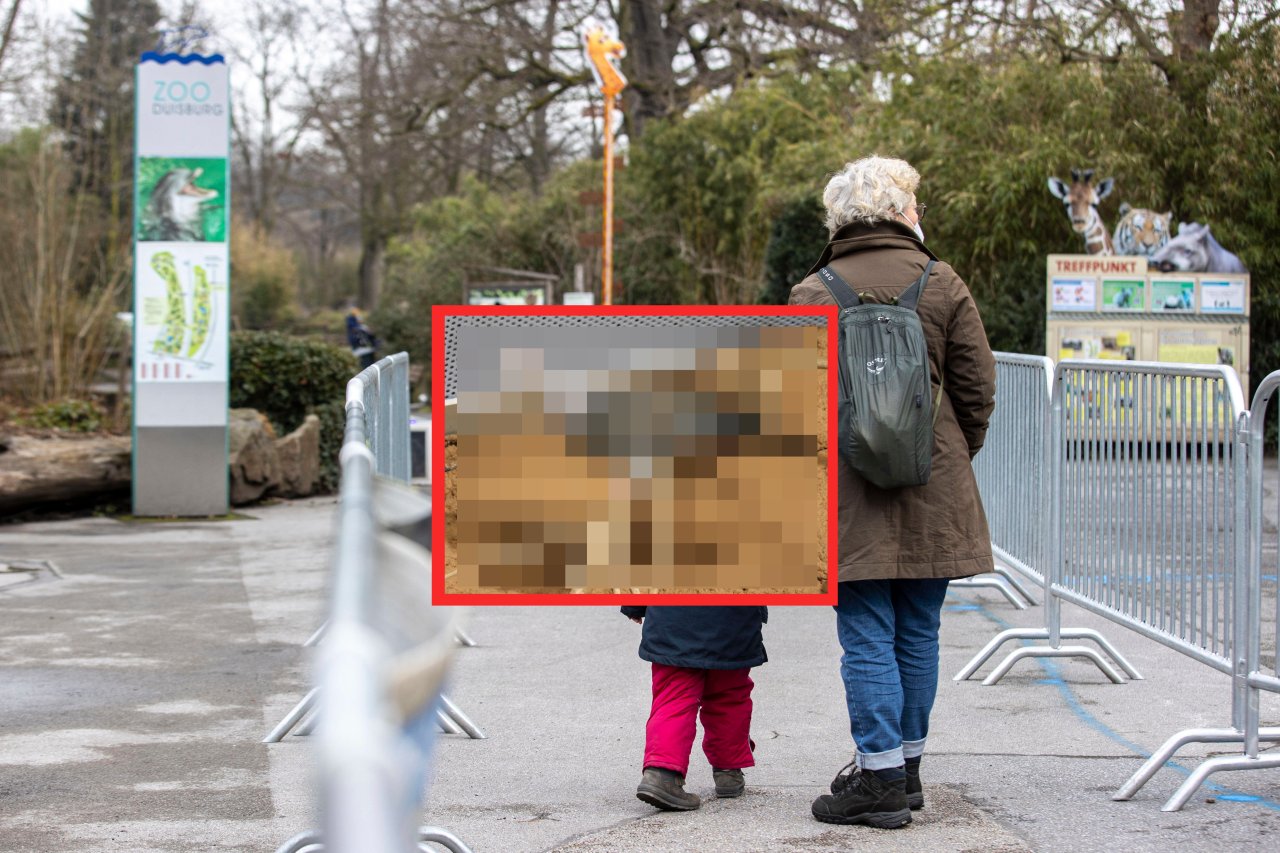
(796, 240)
(289, 378)
(69, 415)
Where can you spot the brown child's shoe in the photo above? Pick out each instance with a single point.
(729, 783)
(664, 789)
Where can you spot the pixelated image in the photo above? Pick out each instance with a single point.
(645, 460)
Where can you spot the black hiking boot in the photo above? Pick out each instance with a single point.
(915, 791)
(664, 789)
(860, 796)
(729, 783)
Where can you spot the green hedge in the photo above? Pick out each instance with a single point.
(289, 378)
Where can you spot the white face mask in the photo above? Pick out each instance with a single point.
(915, 226)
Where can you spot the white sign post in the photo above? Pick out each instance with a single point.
(181, 285)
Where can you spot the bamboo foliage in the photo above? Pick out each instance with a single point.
(58, 290)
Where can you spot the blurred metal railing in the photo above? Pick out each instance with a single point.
(379, 394)
(386, 649)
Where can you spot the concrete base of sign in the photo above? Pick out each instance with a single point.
(180, 471)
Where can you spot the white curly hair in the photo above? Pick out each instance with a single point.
(870, 190)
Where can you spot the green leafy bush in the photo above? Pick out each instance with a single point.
(69, 415)
(289, 378)
(797, 239)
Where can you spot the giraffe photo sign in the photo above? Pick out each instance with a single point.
(181, 294)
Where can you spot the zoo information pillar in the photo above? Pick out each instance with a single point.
(181, 286)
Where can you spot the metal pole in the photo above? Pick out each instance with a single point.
(606, 296)
(1053, 567)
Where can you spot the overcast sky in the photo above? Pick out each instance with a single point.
(59, 16)
(222, 12)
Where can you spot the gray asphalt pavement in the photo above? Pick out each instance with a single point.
(135, 689)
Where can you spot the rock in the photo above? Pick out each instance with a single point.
(251, 452)
(50, 470)
(299, 458)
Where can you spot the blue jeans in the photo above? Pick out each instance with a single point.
(889, 632)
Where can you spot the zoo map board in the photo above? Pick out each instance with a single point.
(181, 290)
(1114, 307)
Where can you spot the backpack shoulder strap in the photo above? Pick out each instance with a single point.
(839, 289)
(910, 297)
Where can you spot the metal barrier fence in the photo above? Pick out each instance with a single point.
(1012, 471)
(1154, 522)
(386, 649)
(380, 395)
(1248, 674)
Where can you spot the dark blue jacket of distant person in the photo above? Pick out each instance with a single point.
(702, 637)
(364, 346)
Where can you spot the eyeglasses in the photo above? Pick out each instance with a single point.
(920, 209)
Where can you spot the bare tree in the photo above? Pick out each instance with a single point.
(6, 34)
(424, 95)
(265, 132)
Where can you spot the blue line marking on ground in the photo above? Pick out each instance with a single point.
(1054, 677)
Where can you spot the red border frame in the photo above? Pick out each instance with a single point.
(439, 596)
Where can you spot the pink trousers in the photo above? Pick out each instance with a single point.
(724, 698)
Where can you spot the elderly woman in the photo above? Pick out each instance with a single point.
(899, 547)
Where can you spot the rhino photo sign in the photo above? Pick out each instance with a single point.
(181, 275)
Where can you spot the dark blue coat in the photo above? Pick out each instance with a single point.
(702, 637)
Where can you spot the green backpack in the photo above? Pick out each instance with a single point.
(885, 416)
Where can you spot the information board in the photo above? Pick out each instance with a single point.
(1113, 307)
(182, 186)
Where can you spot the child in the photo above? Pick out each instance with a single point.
(701, 659)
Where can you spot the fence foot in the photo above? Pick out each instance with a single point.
(1166, 751)
(1177, 741)
(306, 841)
(463, 638)
(447, 725)
(1213, 765)
(996, 582)
(1003, 637)
(455, 713)
(308, 725)
(996, 642)
(314, 639)
(292, 718)
(1015, 582)
(1061, 652)
(1105, 645)
(443, 837)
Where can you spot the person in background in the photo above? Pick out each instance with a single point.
(702, 659)
(363, 343)
(899, 547)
